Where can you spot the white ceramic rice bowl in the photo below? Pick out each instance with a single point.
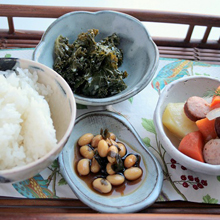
(63, 112)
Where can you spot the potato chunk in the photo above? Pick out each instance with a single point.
(176, 121)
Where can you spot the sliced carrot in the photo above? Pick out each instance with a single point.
(216, 99)
(215, 102)
(207, 128)
(192, 145)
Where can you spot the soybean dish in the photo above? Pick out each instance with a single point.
(108, 165)
(90, 67)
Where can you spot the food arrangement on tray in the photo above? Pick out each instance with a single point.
(104, 66)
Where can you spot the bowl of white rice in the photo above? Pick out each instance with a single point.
(37, 115)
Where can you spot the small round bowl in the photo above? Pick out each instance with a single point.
(141, 55)
(151, 182)
(179, 91)
(63, 112)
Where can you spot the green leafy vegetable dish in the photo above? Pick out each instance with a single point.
(90, 67)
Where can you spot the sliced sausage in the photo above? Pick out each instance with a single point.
(196, 108)
(211, 152)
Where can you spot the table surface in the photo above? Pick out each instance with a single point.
(70, 208)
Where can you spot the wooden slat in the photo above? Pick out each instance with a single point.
(21, 34)
(20, 41)
(102, 216)
(206, 35)
(143, 15)
(189, 33)
(175, 42)
(183, 49)
(76, 206)
(207, 51)
(11, 25)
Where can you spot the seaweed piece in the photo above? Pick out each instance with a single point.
(90, 67)
(118, 166)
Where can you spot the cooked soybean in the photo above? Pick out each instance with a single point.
(122, 149)
(112, 152)
(102, 185)
(85, 139)
(130, 161)
(83, 166)
(133, 173)
(103, 148)
(86, 151)
(109, 169)
(111, 136)
(95, 167)
(116, 179)
(108, 141)
(95, 140)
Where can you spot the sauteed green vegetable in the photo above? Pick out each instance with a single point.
(90, 67)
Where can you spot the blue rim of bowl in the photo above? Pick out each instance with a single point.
(99, 206)
(108, 100)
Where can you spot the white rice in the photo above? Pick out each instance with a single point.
(26, 128)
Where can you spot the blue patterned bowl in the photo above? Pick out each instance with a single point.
(63, 112)
(151, 181)
(141, 55)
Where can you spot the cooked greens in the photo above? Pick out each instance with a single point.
(90, 67)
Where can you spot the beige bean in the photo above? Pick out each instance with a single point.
(108, 141)
(130, 161)
(109, 169)
(115, 179)
(83, 167)
(102, 185)
(111, 136)
(95, 167)
(96, 140)
(85, 139)
(133, 173)
(112, 152)
(103, 148)
(86, 152)
(122, 149)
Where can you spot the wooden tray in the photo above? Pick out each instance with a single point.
(200, 49)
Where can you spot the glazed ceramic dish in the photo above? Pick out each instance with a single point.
(151, 184)
(63, 112)
(179, 91)
(140, 52)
